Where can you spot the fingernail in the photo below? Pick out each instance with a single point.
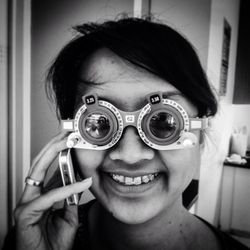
(87, 181)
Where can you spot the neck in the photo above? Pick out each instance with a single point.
(152, 234)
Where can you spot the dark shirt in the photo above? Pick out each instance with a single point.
(82, 240)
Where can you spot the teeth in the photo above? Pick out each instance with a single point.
(118, 178)
(137, 180)
(151, 177)
(129, 181)
(145, 179)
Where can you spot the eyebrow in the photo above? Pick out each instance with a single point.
(91, 83)
(142, 100)
(167, 95)
(117, 102)
(81, 84)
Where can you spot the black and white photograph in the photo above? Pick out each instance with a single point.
(124, 125)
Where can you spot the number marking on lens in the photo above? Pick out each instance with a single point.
(130, 118)
(90, 99)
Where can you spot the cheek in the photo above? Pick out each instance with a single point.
(182, 166)
(88, 161)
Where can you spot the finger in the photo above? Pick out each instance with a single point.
(63, 223)
(57, 138)
(36, 208)
(71, 215)
(38, 171)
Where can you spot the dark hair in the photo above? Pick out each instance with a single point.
(152, 46)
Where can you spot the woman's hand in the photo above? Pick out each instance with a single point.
(37, 225)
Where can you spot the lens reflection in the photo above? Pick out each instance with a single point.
(97, 126)
(162, 125)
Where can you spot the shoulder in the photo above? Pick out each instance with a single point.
(226, 241)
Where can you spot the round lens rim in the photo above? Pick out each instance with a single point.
(171, 139)
(113, 126)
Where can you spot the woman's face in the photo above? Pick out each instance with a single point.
(126, 87)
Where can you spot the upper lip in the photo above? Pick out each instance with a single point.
(132, 170)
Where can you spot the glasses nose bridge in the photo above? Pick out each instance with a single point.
(130, 118)
(134, 119)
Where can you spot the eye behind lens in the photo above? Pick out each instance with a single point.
(163, 125)
(97, 125)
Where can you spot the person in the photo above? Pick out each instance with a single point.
(137, 102)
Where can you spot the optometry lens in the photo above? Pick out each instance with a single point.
(97, 126)
(162, 125)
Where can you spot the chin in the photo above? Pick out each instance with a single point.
(133, 213)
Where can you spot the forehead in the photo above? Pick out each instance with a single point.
(121, 82)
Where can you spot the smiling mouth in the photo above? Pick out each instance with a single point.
(133, 181)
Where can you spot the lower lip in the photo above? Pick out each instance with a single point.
(131, 190)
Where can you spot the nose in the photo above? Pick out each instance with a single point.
(131, 149)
